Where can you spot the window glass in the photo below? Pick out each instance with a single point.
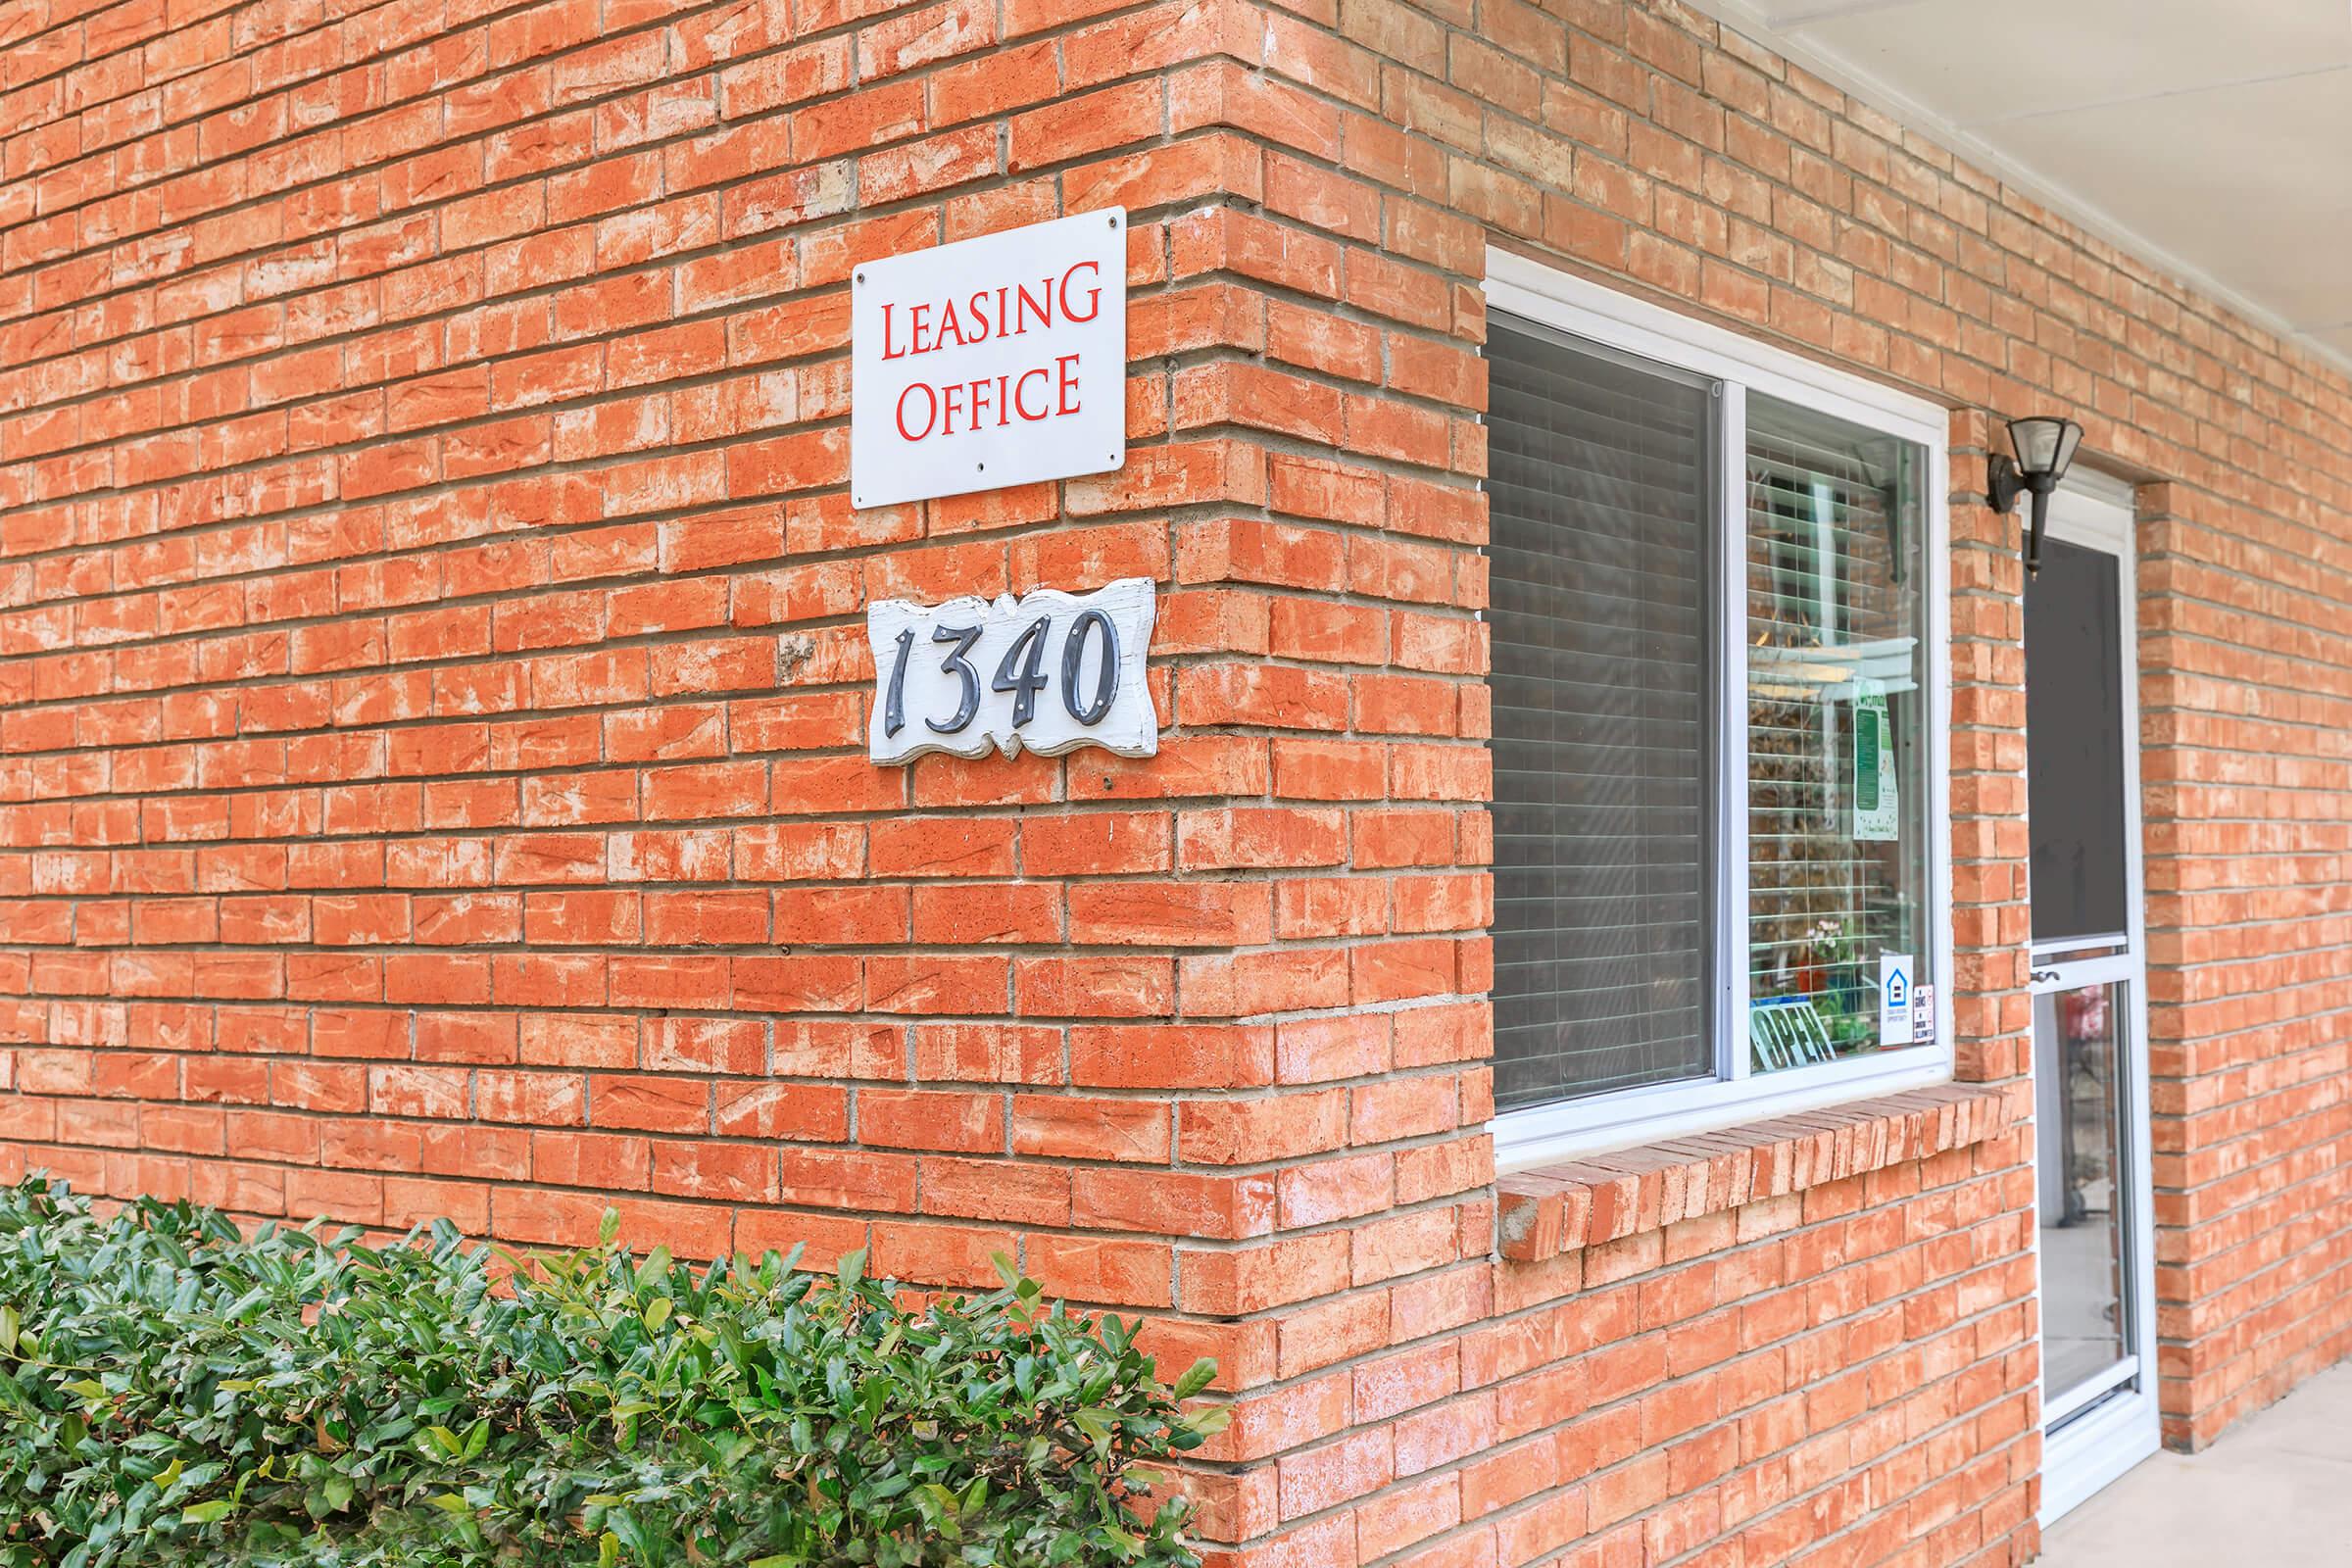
(1838, 856)
(1712, 736)
(2075, 743)
(1602, 538)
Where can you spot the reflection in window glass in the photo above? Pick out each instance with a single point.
(1837, 942)
(2075, 743)
(2079, 1036)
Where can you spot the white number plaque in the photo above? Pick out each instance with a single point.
(1045, 672)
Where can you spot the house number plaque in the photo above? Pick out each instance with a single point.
(1048, 672)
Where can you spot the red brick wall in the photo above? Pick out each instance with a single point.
(2245, 698)
(1839, 1375)
(432, 685)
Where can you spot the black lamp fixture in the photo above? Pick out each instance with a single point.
(2044, 448)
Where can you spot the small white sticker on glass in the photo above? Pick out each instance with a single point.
(1894, 999)
(1923, 1014)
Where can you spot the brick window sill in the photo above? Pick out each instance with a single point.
(1558, 1209)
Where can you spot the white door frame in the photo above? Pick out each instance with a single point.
(2089, 1442)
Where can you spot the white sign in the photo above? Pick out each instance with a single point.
(1923, 1014)
(991, 362)
(1894, 999)
(1048, 672)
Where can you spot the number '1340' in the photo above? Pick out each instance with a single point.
(1045, 672)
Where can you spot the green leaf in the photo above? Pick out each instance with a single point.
(430, 1401)
(9, 1324)
(654, 1269)
(1195, 1377)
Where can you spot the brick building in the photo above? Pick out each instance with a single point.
(435, 701)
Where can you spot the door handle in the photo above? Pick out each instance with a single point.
(2035, 977)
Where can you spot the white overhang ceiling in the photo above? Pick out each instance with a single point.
(2210, 137)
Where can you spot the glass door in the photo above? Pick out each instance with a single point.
(2088, 976)
(2081, 1055)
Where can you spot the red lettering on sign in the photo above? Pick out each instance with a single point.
(930, 410)
(1048, 386)
(1028, 305)
(1094, 296)
(1020, 394)
(1016, 310)
(950, 405)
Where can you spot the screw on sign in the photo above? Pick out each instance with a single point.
(997, 361)
(1047, 672)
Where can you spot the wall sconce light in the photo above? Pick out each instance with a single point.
(2044, 448)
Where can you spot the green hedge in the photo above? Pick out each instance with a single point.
(174, 1392)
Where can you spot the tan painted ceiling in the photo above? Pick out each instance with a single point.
(2212, 138)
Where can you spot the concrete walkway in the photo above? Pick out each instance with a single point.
(2275, 1493)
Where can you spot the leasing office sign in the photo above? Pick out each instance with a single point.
(997, 361)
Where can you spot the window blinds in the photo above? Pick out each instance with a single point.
(1600, 481)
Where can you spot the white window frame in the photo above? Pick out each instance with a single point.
(1589, 1123)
